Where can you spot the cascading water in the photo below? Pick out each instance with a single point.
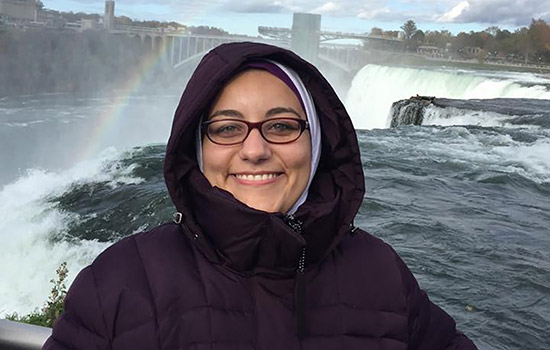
(375, 88)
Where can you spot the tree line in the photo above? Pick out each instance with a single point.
(526, 44)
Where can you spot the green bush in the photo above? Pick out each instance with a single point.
(54, 306)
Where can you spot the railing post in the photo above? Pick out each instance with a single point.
(181, 48)
(196, 46)
(172, 45)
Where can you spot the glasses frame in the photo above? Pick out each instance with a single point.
(304, 125)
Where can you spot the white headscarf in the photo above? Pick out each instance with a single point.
(314, 130)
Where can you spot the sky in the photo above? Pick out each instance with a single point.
(244, 16)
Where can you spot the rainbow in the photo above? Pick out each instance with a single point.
(98, 134)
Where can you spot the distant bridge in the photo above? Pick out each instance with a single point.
(285, 34)
(182, 49)
(347, 58)
(186, 49)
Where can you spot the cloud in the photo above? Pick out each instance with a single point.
(512, 12)
(455, 12)
(379, 13)
(261, 6)
(491, 12)
(328, 8)
(255, 6)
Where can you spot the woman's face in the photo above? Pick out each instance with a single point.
(264, 176)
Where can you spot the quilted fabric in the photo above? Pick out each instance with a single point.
(226, 276)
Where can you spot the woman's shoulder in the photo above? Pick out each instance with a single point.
(135, 255)
(375, 262)
(116, 289)
(139, 244)
(363, 245)
(135, 263)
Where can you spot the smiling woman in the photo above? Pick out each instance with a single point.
(268, 168)
(264, 168)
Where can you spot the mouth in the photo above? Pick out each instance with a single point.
(263, 178)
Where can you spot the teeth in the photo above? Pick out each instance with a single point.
(255, 177)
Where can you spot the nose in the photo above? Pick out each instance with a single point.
(255, 148)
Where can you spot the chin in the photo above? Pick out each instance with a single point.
(268, 206)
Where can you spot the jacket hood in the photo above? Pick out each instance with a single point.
(233, 234)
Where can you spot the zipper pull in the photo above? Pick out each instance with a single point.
(294, 223)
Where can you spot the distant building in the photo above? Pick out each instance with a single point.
(89, 24)
(25, 10)
(109, 18)
(472, 51)
(49, 18)
(429, 51)
(305, 35)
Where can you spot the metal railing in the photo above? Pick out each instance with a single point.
(22, 336)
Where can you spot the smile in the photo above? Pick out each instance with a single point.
(256, 177)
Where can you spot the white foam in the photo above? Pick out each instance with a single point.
(375, 88)
(451, 116)
(482, 149)
(534, 158)
(29, 255)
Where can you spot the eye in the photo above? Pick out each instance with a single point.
(225, 128)
(282, 126)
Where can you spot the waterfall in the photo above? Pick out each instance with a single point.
(375, 88)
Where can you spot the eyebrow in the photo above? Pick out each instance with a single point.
(280, 110)
(227, 113)
(272, 112)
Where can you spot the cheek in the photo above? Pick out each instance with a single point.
(301, 163)
(215, 163)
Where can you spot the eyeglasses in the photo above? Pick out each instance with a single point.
(234, 131)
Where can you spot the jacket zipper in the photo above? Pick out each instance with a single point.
(300, 286)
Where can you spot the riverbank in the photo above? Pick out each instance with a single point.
(415, 60)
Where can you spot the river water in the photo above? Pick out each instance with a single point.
(464, 199)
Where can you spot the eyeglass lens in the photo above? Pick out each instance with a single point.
(273, 130)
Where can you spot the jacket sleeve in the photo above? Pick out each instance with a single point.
(82, 325)
(430, 328)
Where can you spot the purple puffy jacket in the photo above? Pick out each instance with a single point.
(226, 276)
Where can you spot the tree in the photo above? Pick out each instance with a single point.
(438, 39)
(409, 28)
(124, 20)
(417, 39)
(539, 38)
(522, 43)
(206, 30)
(492, 30)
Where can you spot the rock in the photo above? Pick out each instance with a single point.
(410, 111)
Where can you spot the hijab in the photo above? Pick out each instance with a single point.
(294, 82)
